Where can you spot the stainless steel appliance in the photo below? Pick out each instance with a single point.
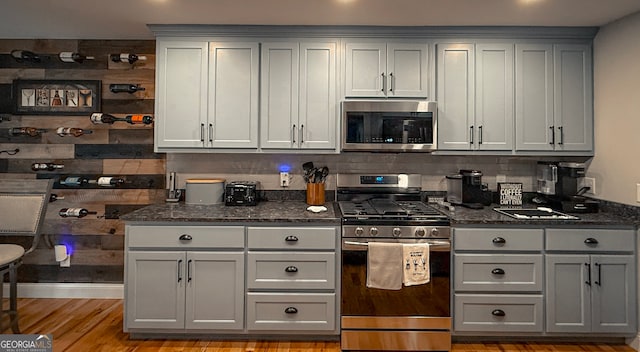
(557, 187)
(241, 193)
(466, 189)
(388, 208)
(389, 125)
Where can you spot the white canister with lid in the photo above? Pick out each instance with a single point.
(204, 191)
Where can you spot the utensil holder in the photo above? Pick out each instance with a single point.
(315, 193)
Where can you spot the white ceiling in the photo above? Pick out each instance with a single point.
(127, 19)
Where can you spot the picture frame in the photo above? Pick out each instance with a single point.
(56, 97)
(510, 193)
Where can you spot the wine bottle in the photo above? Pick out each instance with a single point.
(26, 131)
(46, 166)
(125, 88)
(126, 57)
(139, 119)
(74, 181)
(25, 56)
(53, 197)
(72, 131)
(110, 181)
(69, 56)
(75, 212)
(98, 117)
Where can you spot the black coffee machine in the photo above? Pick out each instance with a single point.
(466, 189)
(558, 187)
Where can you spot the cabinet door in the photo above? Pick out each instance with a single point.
(455, 96)
(155, 289)
(568, 293)
(181, 94)
(407, 70)
(279, 127)
(613, 293)
(215, 290)
(365, 69)
(233, 95)
(573, 97)
(534, 97)
(494, 96)
(318, 104)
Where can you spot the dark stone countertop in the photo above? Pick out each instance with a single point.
(487, 216)
(271, 211)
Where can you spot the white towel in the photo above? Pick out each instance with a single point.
(415, 258)
(384, 266)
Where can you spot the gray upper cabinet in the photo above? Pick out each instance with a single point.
(207, 95)
(475, 96)
(393, 69)
(298, 108)
(554, 97)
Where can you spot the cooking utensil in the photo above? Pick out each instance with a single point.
(308, 171)
(324, 172)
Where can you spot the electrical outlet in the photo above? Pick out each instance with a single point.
(284, 179)
(591, 183)
(501, 178)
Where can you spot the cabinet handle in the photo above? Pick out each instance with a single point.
(291, 269)
(471, 135)
(301, 134)
(384, 84)
(590, 240)
(553, 135)
(211, 132)
(291, 310)
(179, 270)
(561, 131)
(189, 270)
(498, 313)
(499, 240)
(497, 271)
(202, 132)
(480, 134)
(391, 82)
(291, 238)
(293, 134)
(599, 280)
(185, 237)
(588, 266)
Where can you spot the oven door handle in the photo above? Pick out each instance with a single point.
(438, 245)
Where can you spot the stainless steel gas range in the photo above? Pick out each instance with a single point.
(388, 208)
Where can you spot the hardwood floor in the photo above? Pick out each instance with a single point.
(95, 325)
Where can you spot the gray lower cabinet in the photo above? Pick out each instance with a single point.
(593, 290)
(184, 278)
(291, 280)
(498, 280)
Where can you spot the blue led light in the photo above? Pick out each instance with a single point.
(284, 168)
(379, 179)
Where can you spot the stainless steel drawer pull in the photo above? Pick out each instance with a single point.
(185, 237)
(291, 310)
(591, 240)
(497, 271)
(498, 313)
(291, 269)
(499, 240)
(291, 239)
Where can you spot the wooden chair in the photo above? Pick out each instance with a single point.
(23, 205)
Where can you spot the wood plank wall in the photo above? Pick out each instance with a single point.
(111, 150)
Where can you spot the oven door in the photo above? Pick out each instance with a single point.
(427, 300)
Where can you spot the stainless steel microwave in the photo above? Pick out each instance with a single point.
(389, 125)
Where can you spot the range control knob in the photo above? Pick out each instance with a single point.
(434, 232)
(396, 232)
(373, 231)
(359, 231)
(420, 232)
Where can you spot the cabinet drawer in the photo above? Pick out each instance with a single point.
(590, 240)
(498, 239)
(291, 238)
(498, 272)
(291, 270)
(291, 311)
(499, 313)
(201, 236)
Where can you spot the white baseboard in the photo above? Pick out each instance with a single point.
(67, 290)
(634, 342)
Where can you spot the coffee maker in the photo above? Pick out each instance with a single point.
(466, 189)
(557, 187)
